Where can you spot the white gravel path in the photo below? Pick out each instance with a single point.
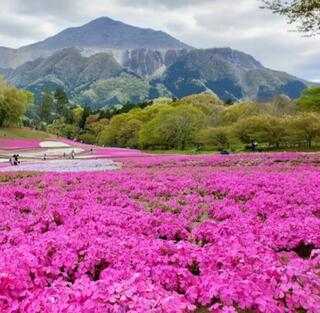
(62, 166)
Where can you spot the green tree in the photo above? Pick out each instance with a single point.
(247, 129)
(202, 99)
(46, 105)
(304, 12)
(110, 134)
(128, 135)
(85, 114)
(61, 101)
(150, 135)
(217, 137)
(172, 128)
(13, 104)
(264, 128)
(210, 105)
(238, 111)
(75, 115)
(59, 127)
(309, 100)
(271, 130)
(305, 128)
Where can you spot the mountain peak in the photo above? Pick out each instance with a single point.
(105, 32)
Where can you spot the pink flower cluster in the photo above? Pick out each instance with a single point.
(13, 143)
(220, 234)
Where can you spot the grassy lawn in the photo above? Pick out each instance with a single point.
(24, 133)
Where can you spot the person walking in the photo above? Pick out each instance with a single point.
(11, 160)
(14, 160)
(73, 154)
(254, 145)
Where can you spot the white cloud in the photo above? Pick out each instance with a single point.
(238, 24)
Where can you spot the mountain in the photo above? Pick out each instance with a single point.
(100, 35)
(106, 62)
(107, 33)
(7, 57)
(230, 74)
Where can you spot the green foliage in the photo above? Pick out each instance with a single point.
(117, 90)
(247, 129)
(23, 133)
(60, 128)
(210, 105)
(263, 128)
(150, 134)
(85, 114)
(305, 128)
(13, 104)
(202, 99)
(218, 137)
(128, 135)
(76, 115)
(172, 127)
(122, 131)
(110, 134)
(310, 100)
(46, 106)
(61, 101)
(272, 130)
(238, 111)
(198, 119)
(87, 138)
(304, 12)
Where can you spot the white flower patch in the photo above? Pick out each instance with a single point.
(51, 152)
(62, 166)
(53, 144)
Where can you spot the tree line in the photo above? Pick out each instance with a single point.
(198, 120)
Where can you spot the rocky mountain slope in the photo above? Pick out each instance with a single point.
(106, 62)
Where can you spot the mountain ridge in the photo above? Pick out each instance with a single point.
(139, 64)
(100, 33)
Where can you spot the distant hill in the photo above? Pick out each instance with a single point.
(106, 62)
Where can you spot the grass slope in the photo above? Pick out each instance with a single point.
(24, 133)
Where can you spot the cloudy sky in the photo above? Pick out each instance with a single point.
(237, 24)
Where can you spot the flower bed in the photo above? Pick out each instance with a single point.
(164, 234)
(12, 143)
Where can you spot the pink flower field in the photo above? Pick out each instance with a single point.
(173, 234)
(12, 143)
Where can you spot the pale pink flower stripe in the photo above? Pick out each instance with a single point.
(167, 234)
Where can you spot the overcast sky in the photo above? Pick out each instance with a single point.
(238, 24)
